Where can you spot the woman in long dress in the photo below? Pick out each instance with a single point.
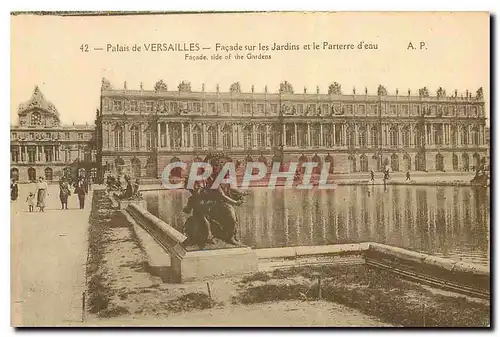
(14, 190)
(41, 193)
(64, 193)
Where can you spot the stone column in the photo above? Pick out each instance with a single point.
(53, 153)
(296, 135)
(308, 135)
(219, 136)
(254, 136)
(183, 139)
(204, 130)
(268, 135)
(191, 142)
(158, 135)
(284, 135)
(167, 136)
(333, 133)
(321, 140)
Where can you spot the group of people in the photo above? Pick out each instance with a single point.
(38, 194)
(126, 189)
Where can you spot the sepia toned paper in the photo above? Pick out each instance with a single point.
(381, 119)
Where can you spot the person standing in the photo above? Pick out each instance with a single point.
(64, 193)
(408, 175)
(372, 175)
(80, 191)
(41, 193)
(14, 190)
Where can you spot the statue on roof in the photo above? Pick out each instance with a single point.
(441, 93)
(286, 88)
(479, 93)
(184, 86)
(235, 87)
(335, 89)
(381, 90)
(105, 84)
(424, 92)
(160, 86)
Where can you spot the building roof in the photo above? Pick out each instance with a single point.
(39, 101)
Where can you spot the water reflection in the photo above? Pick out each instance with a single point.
(447, 221)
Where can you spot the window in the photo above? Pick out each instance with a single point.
(133, 105)
(31, 135)
(404, 109)
(149, 139)
(247, 108)
(14, 135)
(416, 109)
(225, 107)
(80, 136)
(361, 109)
(274, 108)
(118, 137)
(324, 108)
(311, 109)
(211, 107)
(374, 109)
(300, 109)
(66, 135)
(393, 109)
(260, 108)
(393, 137)
(117, 105)
(134, 137)
(349, 109)
(149, 106)
(196, 107)
(47, 135)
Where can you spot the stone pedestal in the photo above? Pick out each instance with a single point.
(198, 265)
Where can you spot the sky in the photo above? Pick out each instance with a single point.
(46, 51)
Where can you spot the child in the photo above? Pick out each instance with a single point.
(31, 201)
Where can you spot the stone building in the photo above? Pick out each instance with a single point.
(144, 130)
(41, 146)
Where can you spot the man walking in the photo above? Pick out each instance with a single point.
(81, 191)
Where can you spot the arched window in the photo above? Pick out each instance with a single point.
(393, 137)
(352, 163)
(475, 135)
(212, 137)
(136, 167)
(149, 139)
(247, 137)
(197, 137)
(362, 137)
(465, 162)
(455, 162)
(374, 136)
(227, 137)
(14, 174)
(407, 162)
(118, 137)
(363, 163)
(48, 174)
(464, 135)
(276, 135)
(31, 174)
(477, 161)
(134, 137)
(261, 136)
(315, 134)
(329, 162)
(406, 136)
(351, 137)
(439, 162)
(394, 162)
(327, 135)
(151, 167)
(453, 135)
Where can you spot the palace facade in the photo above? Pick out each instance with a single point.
(41, 146)
(144, 130)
